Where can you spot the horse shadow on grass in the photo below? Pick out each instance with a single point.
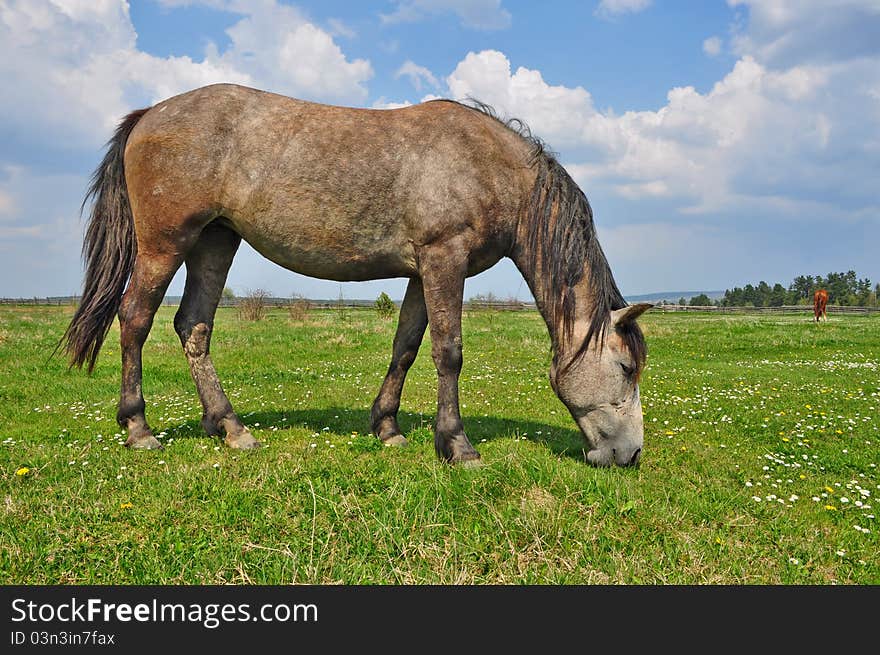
(417, 428)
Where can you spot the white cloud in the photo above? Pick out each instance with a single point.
(474, 14)
(714, 185)
(642, 189)
(416, 74)
(758, 137)
(553, 111)
(71, 68)
(389, 47)
(40, 231)
(789, 135)
(216, 4)
(7, 205)
(383, 103)
(36, 231)
(712, 46)
(339, 28)
(609, 8)
(791, 32)
(283, 52)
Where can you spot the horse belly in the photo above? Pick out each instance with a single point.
(330, 250)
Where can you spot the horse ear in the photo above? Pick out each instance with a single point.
(628, 314)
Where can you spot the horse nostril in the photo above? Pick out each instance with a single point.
(635, 457)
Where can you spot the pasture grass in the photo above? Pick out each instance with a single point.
(759, 467)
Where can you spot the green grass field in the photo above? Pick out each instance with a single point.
(759, 466)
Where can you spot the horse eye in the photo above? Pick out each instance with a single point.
(627, 370)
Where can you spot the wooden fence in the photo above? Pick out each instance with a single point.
(66, 300)
(783, 309)
(496, 305)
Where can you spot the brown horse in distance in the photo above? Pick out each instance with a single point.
(436, 192)
(820, 300)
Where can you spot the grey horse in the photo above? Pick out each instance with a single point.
(435, 193)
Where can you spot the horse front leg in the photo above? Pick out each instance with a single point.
(443, 282)
(411, 326)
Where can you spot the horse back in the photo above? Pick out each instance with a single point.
(316, 184)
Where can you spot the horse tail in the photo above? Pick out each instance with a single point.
(109, 251)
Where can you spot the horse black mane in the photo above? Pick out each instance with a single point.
(562, 238)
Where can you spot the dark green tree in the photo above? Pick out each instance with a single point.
(733, 298)
(802, 286)
(843, 289)
(863, 292)
(778, 296)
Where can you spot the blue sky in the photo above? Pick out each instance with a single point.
(719, 143)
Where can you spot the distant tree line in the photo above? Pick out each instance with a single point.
(843, 289)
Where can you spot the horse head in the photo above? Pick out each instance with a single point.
(599, 385)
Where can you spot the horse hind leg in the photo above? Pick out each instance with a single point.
(207, 266)
(150, 278)
(411, 326)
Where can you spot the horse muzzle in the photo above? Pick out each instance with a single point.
(602, 457)
(612, 445)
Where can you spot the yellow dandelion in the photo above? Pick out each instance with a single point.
(683, 449)
(840, 432)
(808, 406)
(786, 439)
(802, 476)
(669, 433)
(829, 490)
(718, 540)
(23, 471)
(830, 508)
(126, 506)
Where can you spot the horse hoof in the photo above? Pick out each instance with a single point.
(143, 442)
(244, 440)
(396, 440)
(468, 459)
(470, 463)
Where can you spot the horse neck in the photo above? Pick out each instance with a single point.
(527, 260)
(554, 232)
